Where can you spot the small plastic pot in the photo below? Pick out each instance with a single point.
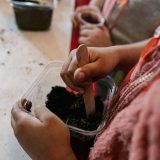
(32, 15)
(81, 140)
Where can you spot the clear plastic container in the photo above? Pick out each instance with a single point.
(81, 140)
(33, 14)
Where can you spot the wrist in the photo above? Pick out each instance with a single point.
(122, 56)
(127, 56)
(119, 53)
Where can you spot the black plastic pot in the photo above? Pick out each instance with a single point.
(31, 15)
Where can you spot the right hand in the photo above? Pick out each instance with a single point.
(102, 61)
(83, 9)
(93, 36)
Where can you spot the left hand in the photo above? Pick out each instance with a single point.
(93, 36)
(43, 136)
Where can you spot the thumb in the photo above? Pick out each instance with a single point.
(91, 71)
(44, 114)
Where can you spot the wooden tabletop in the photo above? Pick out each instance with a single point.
(23, 56)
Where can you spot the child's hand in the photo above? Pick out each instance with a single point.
(82, 9)
(102, 61)
(43, 137)
(93, 36)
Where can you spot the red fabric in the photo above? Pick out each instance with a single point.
(81, 2)
(75, 32)
(74, 40)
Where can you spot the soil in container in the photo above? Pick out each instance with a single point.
(71, 109)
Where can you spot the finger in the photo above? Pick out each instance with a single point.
(66, 79)
(42, 113)
(89, 71)
(82, 8)
(84, 33)
(83, 40)
(64, 69)
(71, 69)
(17, 112)
(45, 115)
(80, 77)
(20, 119)
(87, 26)
(86, 41)
(72, 85)
(27, 105)
(65, 66)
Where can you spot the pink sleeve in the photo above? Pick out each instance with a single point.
(145, 143)
(134, 134)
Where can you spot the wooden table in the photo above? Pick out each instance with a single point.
(22, 57)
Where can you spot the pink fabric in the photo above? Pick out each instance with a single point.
(146, 135)
(134, 133)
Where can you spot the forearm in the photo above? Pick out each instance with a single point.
(128, 55)
(98, 3)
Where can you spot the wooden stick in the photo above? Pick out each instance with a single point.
(83, 58)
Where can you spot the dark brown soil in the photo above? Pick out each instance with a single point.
(71, 109)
